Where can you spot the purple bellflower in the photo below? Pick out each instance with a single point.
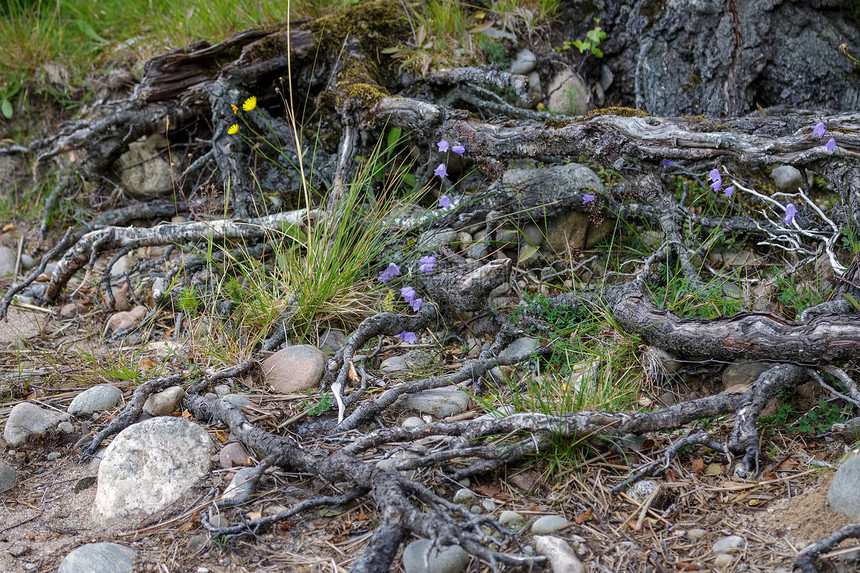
(443, 145)
(459, 150)
(389, 273)
(716, 179)
(830, 145)
(406, 336)
(819, 130)
(426, 264)
(441, 171)
(586, 198)
(790, 212)
(729, 190)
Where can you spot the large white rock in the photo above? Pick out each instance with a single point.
(150, 465)
(27, 420)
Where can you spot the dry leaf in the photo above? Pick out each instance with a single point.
(698, 465)
(8, 227)
(494, 492)
(714, 469)
(687, 566)
(254, 515)
(788, 464)
(584, 516)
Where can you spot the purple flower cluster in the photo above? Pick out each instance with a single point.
(717, 182)
(820, 129)
(444, 146)
(425, 265)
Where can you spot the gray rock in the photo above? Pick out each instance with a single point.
(520, 347)
(561, 557)
(8, 476)
(723, 561)
(844, 493)
(221, 390)
(435, 238)
(524, 62)
(99, 558)
(394, 364)
(196, 543)
(743, 373)
(606, 77)
(27, 262)
(66, 427)
(696, 534)
(332, 340)
(787, 178)
(144, 169)
(549, 524)
(438, 402)
(27, 420)
(241, 487)
(568, 93)
(165, 402)
(413, 422)
(238, 400)
(478, 250)
(463, 495)
(95, 399)
(148, 466)
(294, 368)
(488, 505)
(511, 519)
(451, 559)
(642, 490)
(535, 87)
(8, 258)
(729, 544)
(96, 459)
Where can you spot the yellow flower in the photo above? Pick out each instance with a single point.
(235, 109)
(250, 103)
(233, 129)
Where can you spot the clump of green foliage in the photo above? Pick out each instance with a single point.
(589, 45)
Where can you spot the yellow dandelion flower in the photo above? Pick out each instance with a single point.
(233, 129)
(235, 109)
(250, 103)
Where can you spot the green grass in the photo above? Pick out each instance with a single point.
(45, 39)
(325, 270)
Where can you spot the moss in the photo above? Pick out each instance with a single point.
(619, 111)
(367, 94)
(377, 24)
(360, 80)
(557, 123)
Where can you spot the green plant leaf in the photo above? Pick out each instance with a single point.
(88, 31)
(6, 108)
(597, 52)
(581, 46)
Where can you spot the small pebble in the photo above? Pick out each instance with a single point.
(463, 495)
(729, 544)
(548, 524)
(696, 534)
(53, 456)
(511, 519)
(723, 561)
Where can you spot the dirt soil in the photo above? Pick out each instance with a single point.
(47, 514)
